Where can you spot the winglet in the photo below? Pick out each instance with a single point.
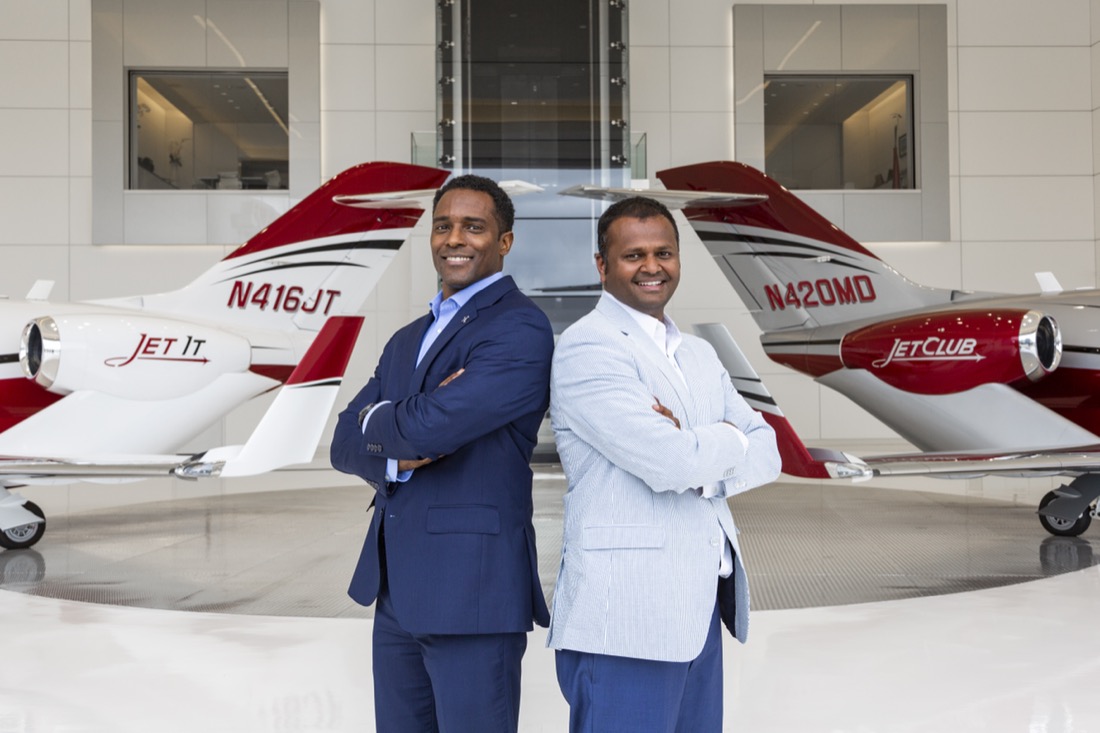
(798, 460)
(291, 428)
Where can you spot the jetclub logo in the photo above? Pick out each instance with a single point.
(932, 348)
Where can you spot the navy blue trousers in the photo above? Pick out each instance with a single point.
(444, 683)
(624, 695)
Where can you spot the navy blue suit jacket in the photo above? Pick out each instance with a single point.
(460, 545)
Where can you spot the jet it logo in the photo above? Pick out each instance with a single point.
(932, 348)
(162, 349)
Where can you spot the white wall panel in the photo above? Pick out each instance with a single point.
(801, 38)
(34, 210)
(749, 145)
(239, 34)
(800, 400)
(347, 77)
(696, 85)
(841, 419)
(649, 23)
(650, 88)
(27, 263)
(700, 136)
(700, 22)
(108, 87)
(42, 20)
(1025, 143)
(111, 272)
(234, 218)
(108, 182)
(305, 158)
(347, 138)
(414, 87)
(35, 142)
(1011, 266)
(1024, 23)
(80, 210)
(883, 215)
(347, 21)
(412, 21)
(1025, 209)
(158, 217)
(160, 33)
(829, 204)
(394, 133)
(80, 142)
(888, 38)
(80, 20)
(935, 264)
(1053, 79)
(304, 62)
(80, 75)
(48, 86)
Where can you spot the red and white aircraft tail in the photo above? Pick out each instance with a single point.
(113, 388)
(790, 265)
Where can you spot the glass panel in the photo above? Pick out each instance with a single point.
(839, 132)
(218, 130)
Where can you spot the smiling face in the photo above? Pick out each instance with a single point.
(467, 244)
(642, 265)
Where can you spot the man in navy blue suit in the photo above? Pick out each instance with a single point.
(444, 432)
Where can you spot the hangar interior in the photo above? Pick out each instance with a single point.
(997, 145)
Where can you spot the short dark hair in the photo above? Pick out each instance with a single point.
(635, 207)
(502, 204)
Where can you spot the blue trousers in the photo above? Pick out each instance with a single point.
(624, 695)
(444, 683)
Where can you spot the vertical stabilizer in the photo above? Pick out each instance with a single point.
(790, 266)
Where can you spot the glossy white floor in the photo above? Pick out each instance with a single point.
(1014, 658)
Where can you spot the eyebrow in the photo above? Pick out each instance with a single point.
(465, 219)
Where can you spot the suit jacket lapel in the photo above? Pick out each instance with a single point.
(648, 349)
(466, 315)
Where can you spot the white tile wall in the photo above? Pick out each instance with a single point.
(1019, 78)
(159, 33)
(695, 85)
(347, 77)
(24, 264)
(699, 22)
(239, 34)
(649, 23)
(80, 142)
(1026, 209)
(162, 217)
(935, 264)
(411, 21)
(1025, 143)
(232, 218)
(872, 217)
(80, 210)
(114, 271)
(1073, 263)
(347, 21)
(47, 87)
(394, 133)
(1025, 22)
(45, 20)
(80, 74)
(700, 136)
(34, 209)
(408, 79)
(650, 74)
(80, 20)
(35, 142)
(655, 125)
(347, 138)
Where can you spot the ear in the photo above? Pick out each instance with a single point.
(506, 243)
(601, 267)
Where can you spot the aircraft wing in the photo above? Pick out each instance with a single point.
(288, 433)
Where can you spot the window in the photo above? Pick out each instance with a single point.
(839, 132)
(208, 130)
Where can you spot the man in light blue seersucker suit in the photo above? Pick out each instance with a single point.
(653, 439)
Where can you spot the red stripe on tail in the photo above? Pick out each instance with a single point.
(328, 355)
(317, 215)
(797, 460)
(783, 211)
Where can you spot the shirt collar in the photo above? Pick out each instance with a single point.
(462, 297)
(663, 332)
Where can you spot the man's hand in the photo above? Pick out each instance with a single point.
(666, 412)
(412, 465)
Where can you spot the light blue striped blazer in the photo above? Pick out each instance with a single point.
(641, 550)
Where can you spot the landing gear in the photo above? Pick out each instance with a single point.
(25, 535)
(1063, 527)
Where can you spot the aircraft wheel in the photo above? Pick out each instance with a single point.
(25, 535)
(1063, 527)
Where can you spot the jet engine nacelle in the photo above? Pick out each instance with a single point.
(132, 356)
(953, 351)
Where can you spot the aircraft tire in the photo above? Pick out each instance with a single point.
(1063, 527)
(24, 536)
